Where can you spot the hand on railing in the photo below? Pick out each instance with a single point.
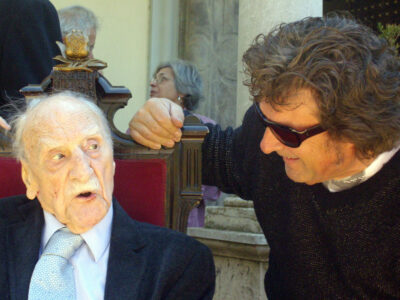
(157, 123)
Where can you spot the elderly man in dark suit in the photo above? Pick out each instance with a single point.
(67, 238)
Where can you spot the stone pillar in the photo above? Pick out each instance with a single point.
(208, 38)
(239, 248)
(164, 33)
(260, 16)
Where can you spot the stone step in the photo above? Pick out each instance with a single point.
(235, 212)
(228, 236)
(241, 219)
(234, 201)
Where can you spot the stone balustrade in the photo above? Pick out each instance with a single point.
(239, 248)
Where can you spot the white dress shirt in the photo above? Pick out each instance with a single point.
(90, 260)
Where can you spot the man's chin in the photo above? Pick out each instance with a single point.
(82, 227)
(300, 179)
(295, 176)
(86, 215)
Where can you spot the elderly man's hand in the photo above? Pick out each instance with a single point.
(4, 124)
(157, 123)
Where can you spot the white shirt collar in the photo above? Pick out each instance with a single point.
(97, 239)
(368, 172)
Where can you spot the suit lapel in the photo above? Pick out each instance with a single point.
(127, 261)
(23, 242)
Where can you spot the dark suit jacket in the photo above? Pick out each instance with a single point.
(145, 261)
(28, 31)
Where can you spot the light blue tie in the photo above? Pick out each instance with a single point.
(53, 276)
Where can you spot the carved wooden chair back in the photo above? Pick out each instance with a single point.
(155, 186)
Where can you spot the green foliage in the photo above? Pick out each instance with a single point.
(391, 32)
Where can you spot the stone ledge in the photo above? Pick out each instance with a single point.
(234, 201)
(237, 224)
(250, 248)
(242, 212)
(229, 236)
(240, 219)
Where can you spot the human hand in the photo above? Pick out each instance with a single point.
(4, 124)
(157, 123)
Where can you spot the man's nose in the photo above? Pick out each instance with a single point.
(153, 82)
(269, 142)
(81, 168)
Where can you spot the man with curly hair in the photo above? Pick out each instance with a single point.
(318, 155)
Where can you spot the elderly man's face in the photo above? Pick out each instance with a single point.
(69, 165)
(318, 158)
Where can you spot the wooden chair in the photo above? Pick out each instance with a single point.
(155, 186)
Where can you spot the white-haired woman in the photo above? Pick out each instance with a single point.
(180, 82)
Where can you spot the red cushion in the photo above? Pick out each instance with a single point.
(140, 187)
(10, 178)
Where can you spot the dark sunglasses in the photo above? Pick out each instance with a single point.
(286, 135)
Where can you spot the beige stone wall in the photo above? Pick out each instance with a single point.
(123, 42)
(208, 38)
(248, 276)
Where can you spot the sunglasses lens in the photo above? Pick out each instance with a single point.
(285, 136)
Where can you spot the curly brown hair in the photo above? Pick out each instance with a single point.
(354, 76)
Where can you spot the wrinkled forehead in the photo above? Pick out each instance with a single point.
(60, 122)
(295, 100)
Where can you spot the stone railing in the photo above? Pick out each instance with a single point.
(239, 248)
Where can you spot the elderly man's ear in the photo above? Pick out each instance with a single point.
(31, 185)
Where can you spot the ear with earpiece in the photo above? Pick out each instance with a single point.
(30, 183)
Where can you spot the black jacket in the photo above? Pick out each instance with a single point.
(28, 31)
(145, 261)
(324, 245)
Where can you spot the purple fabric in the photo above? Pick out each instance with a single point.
(210, 193)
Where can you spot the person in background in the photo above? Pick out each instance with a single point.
(79, 18)
(68, 238)
(29, 30)
(180, 82)
(317, 152)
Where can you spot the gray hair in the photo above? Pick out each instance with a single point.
(77, 17)
(21, 120)
(187, 81)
